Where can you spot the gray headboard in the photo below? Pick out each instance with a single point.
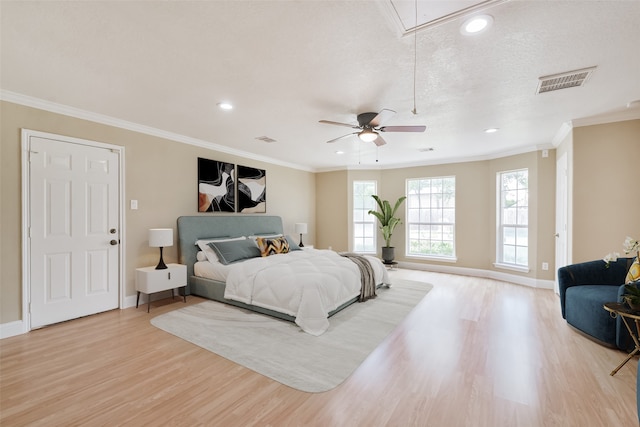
(192, 228)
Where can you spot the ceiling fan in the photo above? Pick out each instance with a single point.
(369, 126)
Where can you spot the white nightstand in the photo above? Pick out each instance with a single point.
(149, 281)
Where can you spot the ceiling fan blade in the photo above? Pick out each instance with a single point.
(329, 122)
(382, 117)
(379, 141)
(340, 137)
(402, 129)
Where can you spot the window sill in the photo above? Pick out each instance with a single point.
(433, 258)
(511, 267)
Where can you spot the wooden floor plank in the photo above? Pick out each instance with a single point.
(474, 352)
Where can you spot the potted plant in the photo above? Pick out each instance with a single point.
(388, 223)
(632, 296)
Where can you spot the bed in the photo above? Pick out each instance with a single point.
(314, 283)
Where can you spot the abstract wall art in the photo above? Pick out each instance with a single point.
(216, 186)
(252, 190)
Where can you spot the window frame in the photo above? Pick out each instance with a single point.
(518, 226)
(368, 219)
(449, 205)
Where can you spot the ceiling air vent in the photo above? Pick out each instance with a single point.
(564, 80)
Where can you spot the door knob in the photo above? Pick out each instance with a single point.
(113, 242)
(112, 231)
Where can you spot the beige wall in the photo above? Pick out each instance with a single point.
(606, 188)
(475, 208)
(331, 213)
(159, 173)
(541, 208)
(473, 223)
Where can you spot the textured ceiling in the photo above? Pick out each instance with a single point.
(164, 65)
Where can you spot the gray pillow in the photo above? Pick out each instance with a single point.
(235, 250)
(293, 246)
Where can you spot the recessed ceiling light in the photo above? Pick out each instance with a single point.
(339, 152)
(476, 25)
(225, 106)
(491, 130)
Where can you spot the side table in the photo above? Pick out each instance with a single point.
(149, 281)
(618, 309)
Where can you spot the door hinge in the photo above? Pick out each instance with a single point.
(29, 308)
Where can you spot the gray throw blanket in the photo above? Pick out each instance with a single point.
(367, 277)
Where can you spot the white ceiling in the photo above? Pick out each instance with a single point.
(162, 66)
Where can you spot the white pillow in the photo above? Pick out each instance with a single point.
(201, 256)
(203, 244)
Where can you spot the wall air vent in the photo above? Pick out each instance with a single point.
(265, 139)
(566, 80)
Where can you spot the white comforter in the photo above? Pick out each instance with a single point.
(306, 284)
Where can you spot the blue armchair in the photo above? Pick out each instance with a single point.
(584, 288)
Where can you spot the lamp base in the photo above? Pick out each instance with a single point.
(161, 265)
(300, 244)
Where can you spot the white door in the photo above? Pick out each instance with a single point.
(562, 216)
(74, 229)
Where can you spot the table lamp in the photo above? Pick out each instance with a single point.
(301, 228)
(159, 238)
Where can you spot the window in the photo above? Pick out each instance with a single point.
(513, 218)
(364, 225)
(431, 216)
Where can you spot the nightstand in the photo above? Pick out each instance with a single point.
(149, 281)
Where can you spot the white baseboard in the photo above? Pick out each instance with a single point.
(11, 329)
(18, 327)
(129, 301)
(475, 272)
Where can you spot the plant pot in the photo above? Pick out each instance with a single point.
(388, 254)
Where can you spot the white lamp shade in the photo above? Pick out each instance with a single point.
(160, 237)
(301, 228)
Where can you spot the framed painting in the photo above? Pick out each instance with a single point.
(252, 190)
(216, 186)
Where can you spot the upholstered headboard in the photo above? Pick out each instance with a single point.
(192, 228)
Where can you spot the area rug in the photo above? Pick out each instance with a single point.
(280, 350)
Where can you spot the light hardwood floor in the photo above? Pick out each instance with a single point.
(474, 352)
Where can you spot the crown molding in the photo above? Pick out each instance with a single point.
(615, 116)
(66, 110)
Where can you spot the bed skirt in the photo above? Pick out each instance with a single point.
(214, 290)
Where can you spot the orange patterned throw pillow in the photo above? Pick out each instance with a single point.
(272, 246)
(634, 272)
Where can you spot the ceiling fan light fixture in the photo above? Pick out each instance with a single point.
(476, 25)
(367, 135)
